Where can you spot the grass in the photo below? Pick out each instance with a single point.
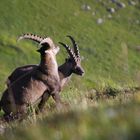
(101, 105)
(87, 118)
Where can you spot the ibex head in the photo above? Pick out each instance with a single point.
(74, 59)
(46, 45)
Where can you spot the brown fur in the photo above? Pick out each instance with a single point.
(27, 89)
(65, 70)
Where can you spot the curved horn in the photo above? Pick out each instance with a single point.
(69, 50)
(76, 50)
(36, 38)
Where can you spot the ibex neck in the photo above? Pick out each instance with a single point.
(65, 71)
(48, 64)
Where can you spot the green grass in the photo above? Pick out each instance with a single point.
(111, 63)
(84, 118)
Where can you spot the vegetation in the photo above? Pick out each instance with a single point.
(104, 104)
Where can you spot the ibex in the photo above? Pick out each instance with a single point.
(41, 81)
(72, 63)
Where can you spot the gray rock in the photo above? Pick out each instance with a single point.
(132, 3)
(121, 4)
(86, 7)
(111, 10)
(100, 21)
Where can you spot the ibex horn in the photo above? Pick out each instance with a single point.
(36, 38)
(75, 46)
(69, 50)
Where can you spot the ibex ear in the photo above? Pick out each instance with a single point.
(46, 45)
(56, 50)
(43, 48)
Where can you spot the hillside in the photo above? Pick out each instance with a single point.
(108, 37)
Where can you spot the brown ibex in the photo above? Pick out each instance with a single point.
(41, 81)
(72, 63)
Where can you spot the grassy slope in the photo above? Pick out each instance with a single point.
(110, 46)
(109, 49)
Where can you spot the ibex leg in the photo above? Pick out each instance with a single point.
(45, 97)
(57, 99)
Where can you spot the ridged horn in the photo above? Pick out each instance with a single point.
(69, 50)
(75, 46)
(35, 38)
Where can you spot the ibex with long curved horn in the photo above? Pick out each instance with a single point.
(41, 81)
(71, 65)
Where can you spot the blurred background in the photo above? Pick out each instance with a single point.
(104, 103)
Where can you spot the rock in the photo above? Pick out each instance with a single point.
(86, 7)
(100, 21)
(121, 4)
(132, 3)
(111, 10)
